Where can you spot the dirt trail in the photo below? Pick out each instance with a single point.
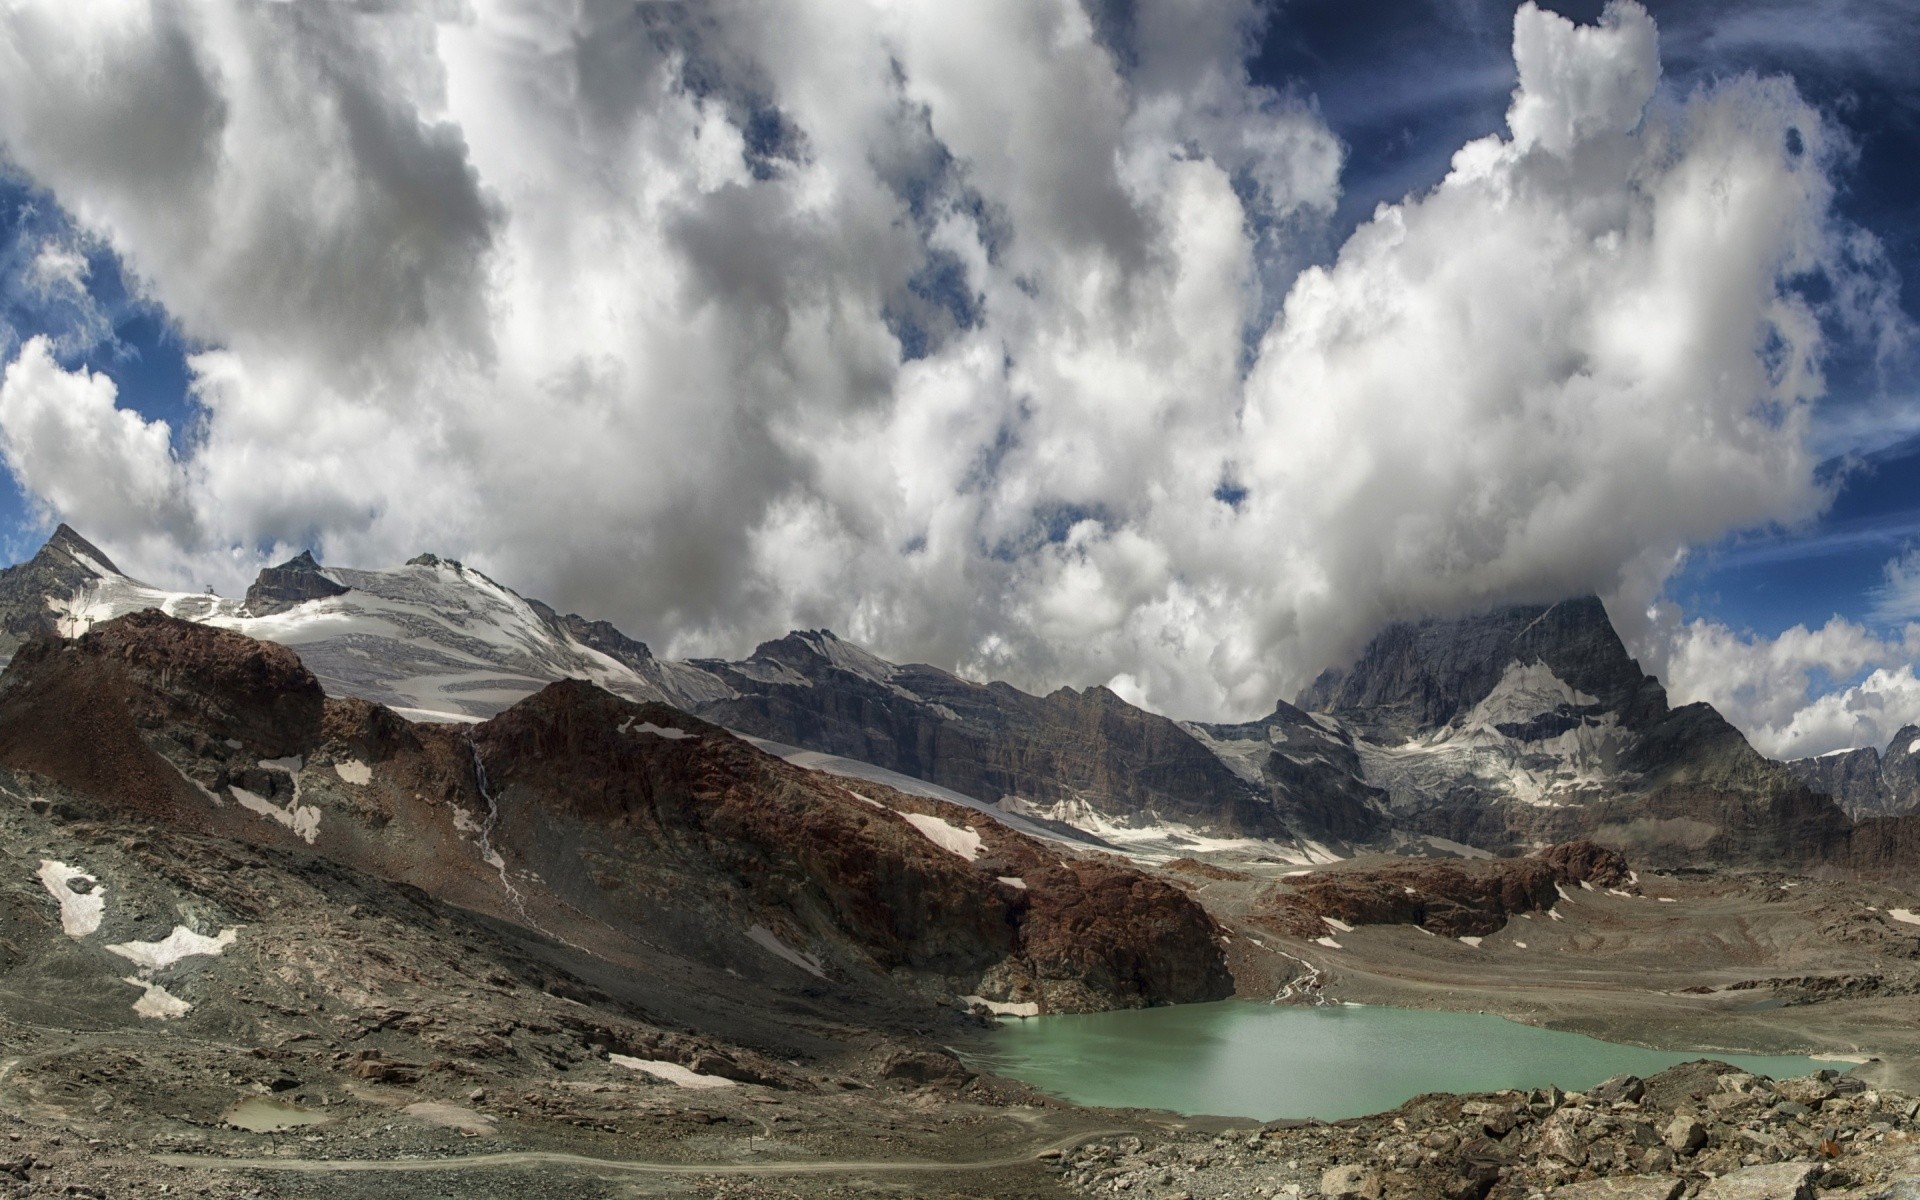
(525, 1158)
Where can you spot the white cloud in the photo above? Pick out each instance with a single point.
(1802, 693)
(101, 466)
(931, 322)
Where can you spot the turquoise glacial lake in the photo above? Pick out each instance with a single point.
(1245, 1059)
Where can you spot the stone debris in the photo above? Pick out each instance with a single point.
(1700, 1131)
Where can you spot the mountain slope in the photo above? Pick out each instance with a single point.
(623, 830)
(1087, 759)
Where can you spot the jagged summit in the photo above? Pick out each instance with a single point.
(292, 583)
(65, 566)
(1415, 677)
(67, 544)
(1868, 782)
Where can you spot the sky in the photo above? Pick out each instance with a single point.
(1172, 345)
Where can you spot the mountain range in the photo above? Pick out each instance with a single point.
(1498, 732)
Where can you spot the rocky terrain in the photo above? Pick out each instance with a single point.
(1700, 1130)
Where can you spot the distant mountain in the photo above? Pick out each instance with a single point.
(430, 637)
(1505, 730)
(435, 637)
(1087, 759)
(1867, 782)
(1531, 725)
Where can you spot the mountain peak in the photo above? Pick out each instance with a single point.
(67, 544)
(289, 585)
(1418, 675)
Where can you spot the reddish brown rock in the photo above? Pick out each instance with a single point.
(1449, 897)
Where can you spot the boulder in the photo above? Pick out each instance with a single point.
(1774, 1181)
(1350, 1182)
(1685, 1134)
(1621, 1187)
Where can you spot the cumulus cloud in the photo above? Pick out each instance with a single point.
(1802, 693)
(968, 330)
(71, 447)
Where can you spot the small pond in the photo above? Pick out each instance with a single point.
(1245, 1059)
(258, 1114)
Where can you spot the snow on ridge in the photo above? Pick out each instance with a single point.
(80, 912)
(949, 837)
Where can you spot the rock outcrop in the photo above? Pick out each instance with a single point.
(292, 583)
(1448, 897)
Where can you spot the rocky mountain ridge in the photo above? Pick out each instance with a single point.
(1868, 782)
(1506, 731)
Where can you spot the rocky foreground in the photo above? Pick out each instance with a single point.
(1699, 1130)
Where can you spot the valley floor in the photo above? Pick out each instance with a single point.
(1753, 962)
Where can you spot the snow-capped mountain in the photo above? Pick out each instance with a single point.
(1868, 782)
(430, 638)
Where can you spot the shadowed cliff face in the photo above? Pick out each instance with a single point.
(1051, 752)
(585, 817)
(1868, 782)
(1418, 676)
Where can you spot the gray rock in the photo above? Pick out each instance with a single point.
(1352, 1182)
(1620, 1087)
(1685, 1134)
(1621, 1187)
(1775, 1181)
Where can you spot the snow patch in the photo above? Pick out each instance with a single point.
(1328, 942)
(290, 764)
(661, 731)
(1012, 881)
(1339, 926)
(947, 836)
(303, 819)
(80, 911)
(1472, 941)
(769, 941)
(1904, 914)
(1913, 747)
(1555, 914)
(156, 1001)
(353, 771)
(1666, 900)
(1521, 945)
(181, 943)
(1001, 1008)
(672, 1073)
